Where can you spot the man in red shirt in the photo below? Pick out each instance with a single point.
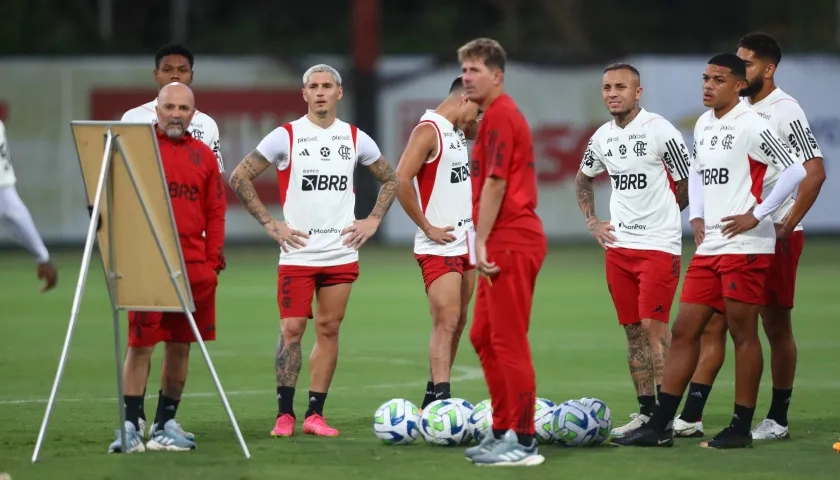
(510, 247)
(198, 202)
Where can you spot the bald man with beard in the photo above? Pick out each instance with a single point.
(198, 204)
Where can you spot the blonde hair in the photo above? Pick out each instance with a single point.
(322, 68)
(485, 49)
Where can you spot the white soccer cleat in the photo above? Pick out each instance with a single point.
(770, 430)
(685, 429)
(637, 421)
(142, 424)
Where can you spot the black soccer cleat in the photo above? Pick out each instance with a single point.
(729, 438)
(645, 437)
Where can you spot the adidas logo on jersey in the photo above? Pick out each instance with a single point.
(304, 153)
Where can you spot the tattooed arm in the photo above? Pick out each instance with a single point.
(242, 183)
(681, 191)
(585, 194)
(385, 174)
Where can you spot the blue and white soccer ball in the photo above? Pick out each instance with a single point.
(442, 423)
(481, 421)
(574, 424)
(397, 422)
(543, 420)
(602, 412)
(466, 410)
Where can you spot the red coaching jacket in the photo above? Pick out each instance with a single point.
(198, 198)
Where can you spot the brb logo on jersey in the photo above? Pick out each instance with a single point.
(629, 181)
(321, 183)
(715, 176)
(183, 191)
(459, 174)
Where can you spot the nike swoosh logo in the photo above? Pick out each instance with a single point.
(661, 442)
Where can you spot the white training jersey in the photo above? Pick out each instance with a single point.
(643, 160)
(7, 173)
(202, 127)
(788, 118)
(732, 154)
(315, 176)
(444, 189)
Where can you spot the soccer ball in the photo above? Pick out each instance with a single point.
(574, 424)
(543, 419)
(604, 416)
(397, 422)
(481, 421)
(443, 423)
(466, 410)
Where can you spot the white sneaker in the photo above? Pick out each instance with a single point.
(154, 428)
(688, 429)
(637, 421)
(770, 430)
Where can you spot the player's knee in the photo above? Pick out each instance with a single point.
(777, 325)
(139, 354)
(327, 327)
(292, 329)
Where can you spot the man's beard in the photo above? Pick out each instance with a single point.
(753, 88)
(174, 130)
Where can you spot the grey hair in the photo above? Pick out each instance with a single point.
(322, 68)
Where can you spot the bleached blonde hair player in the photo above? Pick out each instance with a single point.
(315, 157)
(16, 217)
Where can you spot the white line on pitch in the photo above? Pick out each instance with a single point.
(465, 374)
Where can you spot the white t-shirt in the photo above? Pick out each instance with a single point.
(732, 154)
(7, 173)
(315, 176)
(202, 127)
(791, 124)
(643, 160)
(444, 189)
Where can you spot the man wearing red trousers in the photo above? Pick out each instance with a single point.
(510, 247)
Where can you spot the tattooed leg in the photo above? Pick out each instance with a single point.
(288, 359)
(658, 336)
(640, 359)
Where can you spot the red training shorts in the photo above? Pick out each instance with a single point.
(642, 283)
(780, 286)
(296, 285)
(711, 278)
(147, 329)
(435, 266)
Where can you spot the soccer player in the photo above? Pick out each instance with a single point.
(734, 147)
(16, 217)
(762, 54)
(174, 63)
(315, 158)
(196, 191)
(510, 247)
(647, 161)
(436, 159)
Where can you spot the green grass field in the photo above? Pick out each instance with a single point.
(578, 350)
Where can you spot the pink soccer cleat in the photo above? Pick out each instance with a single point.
(316, 425)
(285, 426)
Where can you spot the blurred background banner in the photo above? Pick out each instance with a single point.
(95, 60)
(250, 97)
